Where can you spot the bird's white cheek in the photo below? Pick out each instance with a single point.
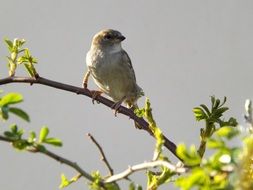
(115, 49)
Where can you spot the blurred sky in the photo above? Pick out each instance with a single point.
(182, 52)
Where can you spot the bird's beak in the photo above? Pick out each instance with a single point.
(121, 38)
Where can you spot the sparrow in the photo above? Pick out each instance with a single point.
(111, 69)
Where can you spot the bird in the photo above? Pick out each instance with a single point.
(111, 69)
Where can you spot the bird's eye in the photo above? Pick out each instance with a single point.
(108, 37)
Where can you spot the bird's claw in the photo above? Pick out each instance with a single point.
(95, 93)
(117, 105)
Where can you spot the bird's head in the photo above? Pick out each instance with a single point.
(107, 37)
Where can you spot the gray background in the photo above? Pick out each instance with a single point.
(182, 52)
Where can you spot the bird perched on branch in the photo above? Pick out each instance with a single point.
(112, 70)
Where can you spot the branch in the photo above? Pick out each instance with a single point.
(144, 166)
(123, 110)
(67, 162)
(103, 158)
(56, 157)
(111, 179)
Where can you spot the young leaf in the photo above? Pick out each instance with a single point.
(32, 137)
(18, 43)
(95, 184)
(14, 128)
(29, 69)
(53, 141)
(11, 98)
(190, 157)
(152, 180)
(40, 148)
(43, 134)
(199, 113)
(64, 181)
(10, 135)
(131, 186)
(20, 113)
(227, 132)
(216, 103)
(4, 113)
(206, 109)
(215, 144)
(9, 44)
(218, 112)
(20, 144)
(22, 60)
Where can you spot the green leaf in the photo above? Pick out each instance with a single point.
(131, 186)
(4, 112)
(14, 133)
(19, 112)
(29, 69)
(139, 112)
(34, 60)
(199, 113)
(95, 184)
(64, 182)
(216, 103)
(190, 157)
(215, 144)
(206, 109)
(27, 53)
(32, 137)
(224, 101)
(18, 43)
(11, 98)
(9, 44)
(20, 144)
(197, 178)
(152, 181)
(40, 148)
(22, 60)
(227, 132)
(232, 122)
(111, 186)
(220, 111)
(212, 100)
(53, 141)
(14, 128)
(10, 135)
(43, 134)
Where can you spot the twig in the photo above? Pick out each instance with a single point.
(57, 158)
(103, 158)
(144, 166)
(123, 110)
(67, 162)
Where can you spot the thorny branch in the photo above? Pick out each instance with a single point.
(103, 158)
(123, 110)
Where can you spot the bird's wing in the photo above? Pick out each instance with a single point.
(126, 59)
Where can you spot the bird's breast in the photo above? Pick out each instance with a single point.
(111, 74)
